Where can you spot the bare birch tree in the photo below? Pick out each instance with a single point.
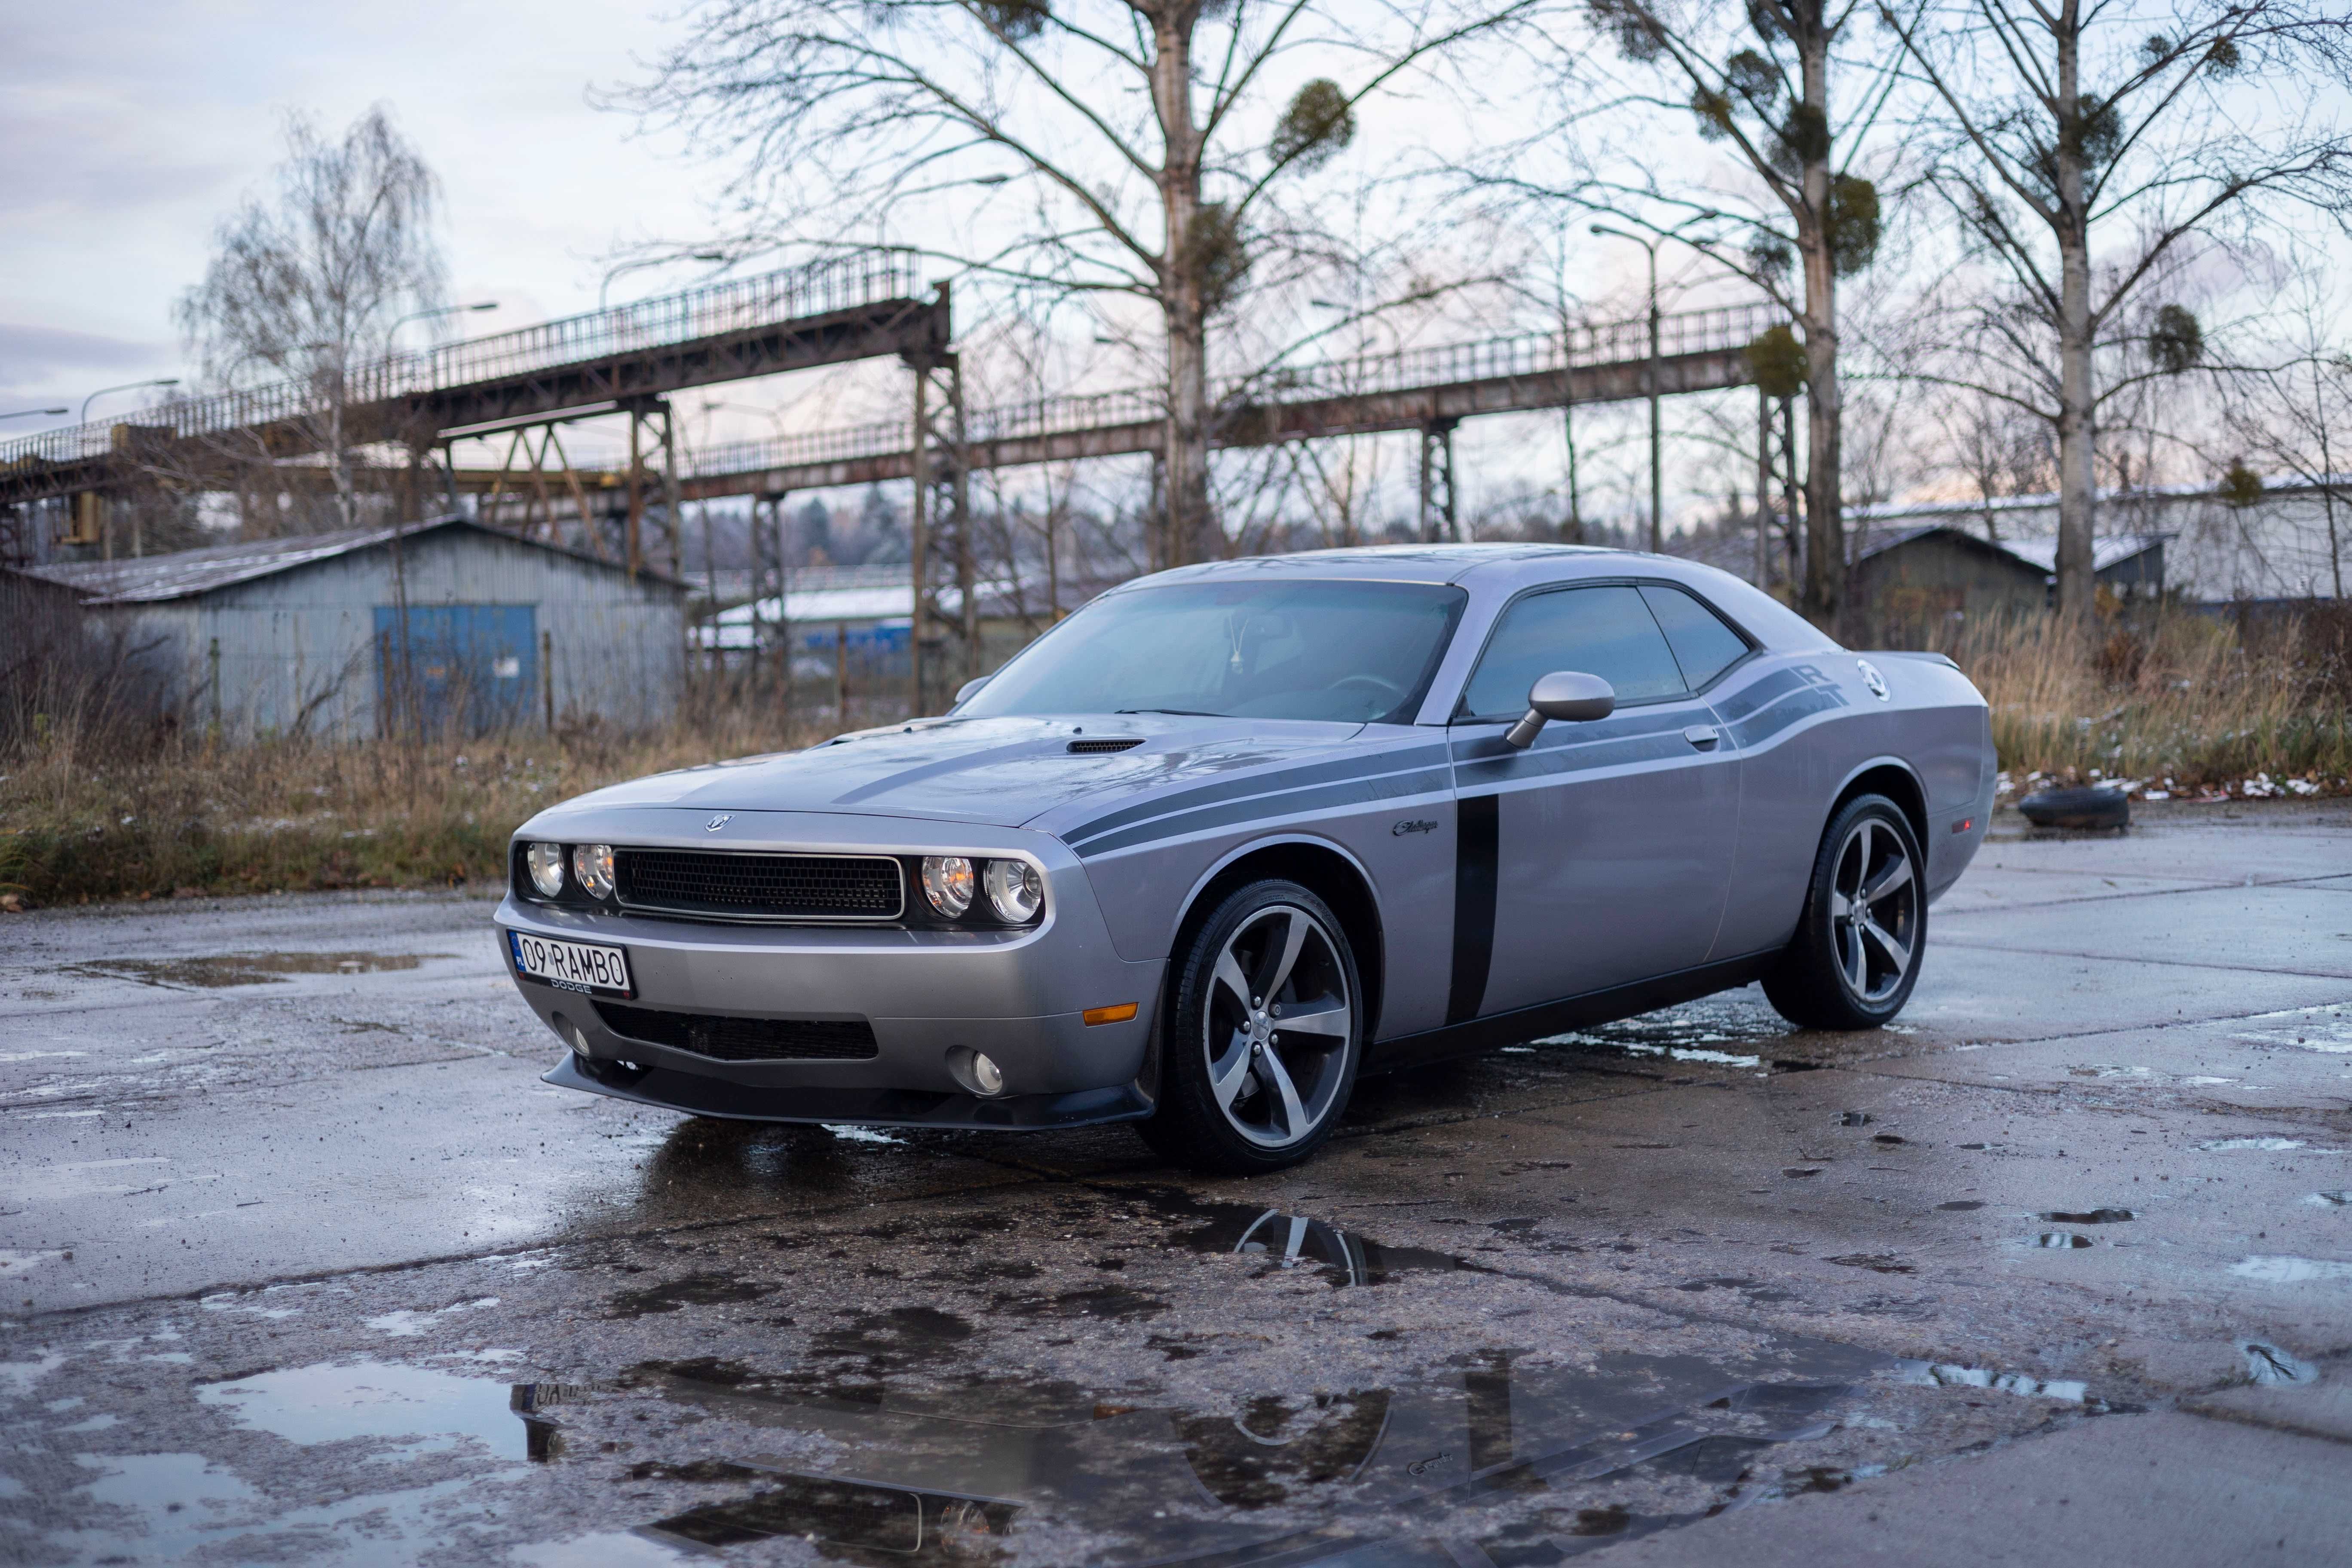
(1136, 149)
(1758, 78)
(307, 281)
(2085, 142)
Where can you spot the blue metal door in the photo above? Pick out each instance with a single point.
(470, 668)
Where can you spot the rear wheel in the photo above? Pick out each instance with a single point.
(1858, 945)
(1265, 1034)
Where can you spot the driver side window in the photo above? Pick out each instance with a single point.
(1604, 631)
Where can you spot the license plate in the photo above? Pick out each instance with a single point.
(571, 965)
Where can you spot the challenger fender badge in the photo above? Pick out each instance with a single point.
(718, 822)
(1872, 679)
(1402, 828)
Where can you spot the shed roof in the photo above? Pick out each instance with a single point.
(2041, 555)
(186, 574)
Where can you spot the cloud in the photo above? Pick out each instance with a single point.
(35, 356)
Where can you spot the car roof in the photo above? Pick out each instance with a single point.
(1394, 563)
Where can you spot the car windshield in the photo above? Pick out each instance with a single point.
(1350, 652)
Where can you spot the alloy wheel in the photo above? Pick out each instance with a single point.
(1278, 1026)
(1873, 911)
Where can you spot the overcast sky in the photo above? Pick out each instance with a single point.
(129, 128)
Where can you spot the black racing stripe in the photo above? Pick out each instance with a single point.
(1756, 694)
(1586, 757)
(1763, 726)
(1477, 853)
(1484, 747)
(1330, 797)
(1261, 783)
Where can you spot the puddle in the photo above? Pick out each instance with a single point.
(1940, 1375)
(2272, 1145)
(1695, 1032)
(247, 968)
(2087, 1217)
(687, 1291)
(2268, 1363)
(424, 1409)
(1291, 1241)
(2062, 1239)
(2324, 1028)
(946, 1474)
(2291, 1270)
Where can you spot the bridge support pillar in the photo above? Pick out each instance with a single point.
(1440, 519)
(940, 544)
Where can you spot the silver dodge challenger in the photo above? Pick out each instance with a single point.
(1234, 835)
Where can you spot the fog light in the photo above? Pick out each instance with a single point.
(579, 1041)
(546, 864)
(1015, 891)
(986, 1076)
(592, 867)
(948, 883)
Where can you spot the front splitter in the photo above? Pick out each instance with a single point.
(697, 1095)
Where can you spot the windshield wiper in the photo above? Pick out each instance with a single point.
(1179, 712)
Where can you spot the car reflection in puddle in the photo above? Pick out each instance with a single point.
(221, 970)
(1524, 1456)
(1296, 1241)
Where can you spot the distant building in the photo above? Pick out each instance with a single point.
(1907, 586)
(2284, 546)
(466, 629)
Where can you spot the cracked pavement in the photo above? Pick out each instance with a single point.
(300, 1262)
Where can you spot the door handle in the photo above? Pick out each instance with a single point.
(1704, 737)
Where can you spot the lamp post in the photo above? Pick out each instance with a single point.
(392, 338)
(30, 413)
(1658, 460)
(126, 386)
(627, 266)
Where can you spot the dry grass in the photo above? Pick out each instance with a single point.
(86, 817)
(2175, 701)
(100, 802)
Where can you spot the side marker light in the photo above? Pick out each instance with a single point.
(1964, 824)
(1118, 1014)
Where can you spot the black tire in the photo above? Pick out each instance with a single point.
(1223, 1030)
(1854, 960)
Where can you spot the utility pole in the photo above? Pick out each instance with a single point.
(1656, 381)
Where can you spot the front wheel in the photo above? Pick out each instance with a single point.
(1858, 945)
(1265, 1034)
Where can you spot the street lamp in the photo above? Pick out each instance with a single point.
(393, 337)
(628, 267)
(1658, 460)
(29, 412)
(126, 386)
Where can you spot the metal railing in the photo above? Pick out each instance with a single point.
(715, 310)
(1711, 331)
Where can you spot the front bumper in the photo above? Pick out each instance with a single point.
(928, 996)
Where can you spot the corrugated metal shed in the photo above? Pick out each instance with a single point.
(452, 624)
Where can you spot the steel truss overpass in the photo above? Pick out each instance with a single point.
(626, 361)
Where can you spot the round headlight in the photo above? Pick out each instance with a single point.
(592, 867)
(1015, 891)
(947, 882)
(546, 863)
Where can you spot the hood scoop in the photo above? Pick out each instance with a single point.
(1114, 743)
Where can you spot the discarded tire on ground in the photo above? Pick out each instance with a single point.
(2079, 810)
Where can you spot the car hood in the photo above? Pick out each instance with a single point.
(1000, 772)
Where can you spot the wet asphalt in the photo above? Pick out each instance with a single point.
(300, 1262)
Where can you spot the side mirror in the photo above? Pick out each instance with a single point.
(964, 693)
(1567, 695)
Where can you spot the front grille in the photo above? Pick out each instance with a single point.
(760, 887)
(744, 1039)
(1124, 744)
